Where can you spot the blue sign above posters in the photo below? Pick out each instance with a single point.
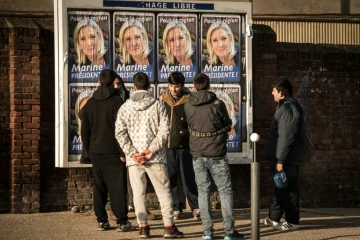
(160, 5)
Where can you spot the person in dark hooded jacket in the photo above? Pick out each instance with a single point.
(98, 137)
(285, 151)
(209, 123)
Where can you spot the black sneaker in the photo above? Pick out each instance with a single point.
(174, 233)
(125, 227)
(144, 232)
(102, 226)
(234, 236)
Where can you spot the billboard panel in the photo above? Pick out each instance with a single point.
(79, 93)
(134, 44)
(88, 45)
(177, 45)
(221, 47)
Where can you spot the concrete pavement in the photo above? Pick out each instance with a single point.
(316, 224)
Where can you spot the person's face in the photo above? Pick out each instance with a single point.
(89, 41)
(220, 42)
(277, 95)
(134, 41)
(177, 42)
(175, 90)
(117, 83)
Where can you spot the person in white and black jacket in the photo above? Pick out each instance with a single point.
(98, 137)
(142, 128)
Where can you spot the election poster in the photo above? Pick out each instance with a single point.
(88, 42)
(130, 88)
(79, 93)
(134, 44)
(160, 88)
(177, 45)
(221, 47)
(230, 94)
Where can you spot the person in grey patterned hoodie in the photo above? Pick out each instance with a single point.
(142, 128)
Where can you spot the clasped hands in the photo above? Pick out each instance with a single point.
(143, 157)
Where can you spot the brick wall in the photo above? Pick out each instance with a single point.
(326, 81)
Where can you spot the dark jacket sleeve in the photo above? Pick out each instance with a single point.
(224, 115)
(288, 124)
(85, 130)
(116, 110)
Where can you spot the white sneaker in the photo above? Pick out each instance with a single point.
(177, 215)
(287, 226)
(268, 221)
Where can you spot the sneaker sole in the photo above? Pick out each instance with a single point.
(286, 229)
(266, 223)
(207, 237)
(125, 230)
(103, 229)
(174, 236)
(144, 236)
(233, 238)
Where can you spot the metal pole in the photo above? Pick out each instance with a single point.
(255, 191)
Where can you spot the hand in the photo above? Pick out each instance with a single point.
(147, 154)
(122, 159)
(232, 132)
(279, 167)
(138, 158)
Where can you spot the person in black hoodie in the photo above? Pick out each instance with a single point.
(209, 123)
(285, 151)
(98, 137)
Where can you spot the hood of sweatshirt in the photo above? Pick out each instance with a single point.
(104, 92)
(141, 100)
(201, 97)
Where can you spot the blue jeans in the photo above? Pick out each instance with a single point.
(220, 172)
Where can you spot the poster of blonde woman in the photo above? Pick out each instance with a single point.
(177, 45)
(79, 93)
(88, 45)
(133, 44)
(230, 94)
(221, 47)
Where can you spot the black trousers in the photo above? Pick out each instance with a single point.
(181, 159)
(287, 200)
(109, 175)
